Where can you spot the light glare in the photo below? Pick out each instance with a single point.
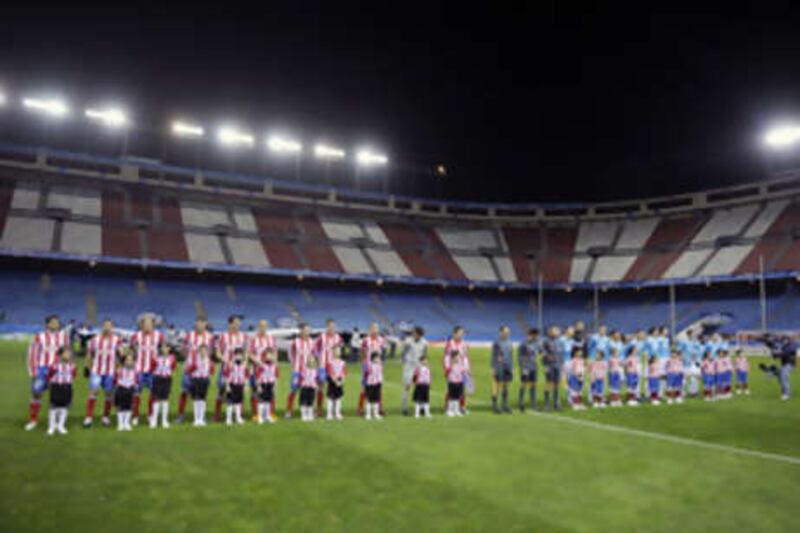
(185, 129)
(323, 151)
(231, 137)
(283, 144)
(56, 108)
(368, 158)
(783, 136)
(111, 117)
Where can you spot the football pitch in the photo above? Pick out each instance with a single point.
(725, 466)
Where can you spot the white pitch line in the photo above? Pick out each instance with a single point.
(674, 439)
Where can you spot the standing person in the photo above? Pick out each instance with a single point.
(200, 371)
(614, 378)
(412, 352)
(374, 380)
(309, 380)
(457, 343)
(709, 372)
(455, 383)
(633, 370)
(267, 374)
(653, 378)
(60, 375)
(300, 351)
(422, 388)
(724, 374)
(199, 336)
(102, 352)
(228, 343)
(742, 370)
(145, 343)
(261, 344)
(337, 371)
(527, 354)
(598, 368)
(577, 332)
(372, 343)
(42, 355)
(236, 375)
(125, 387)
(502, 364)
(576, 369)
(326, 345)
(675, 377)
(551, 360)
(785, 351)
(599, 342)
(163, 366)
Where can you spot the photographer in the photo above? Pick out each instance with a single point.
(785, 351)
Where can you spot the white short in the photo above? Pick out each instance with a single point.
(408, 374)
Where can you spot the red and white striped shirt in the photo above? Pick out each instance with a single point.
(598, 369)
(455, 372)
(126, 377)
(654, 369)
(103, 350)
(308, 379)
(324, 347)
(577, 367)
(337, 369)
(742, 364)
(422, 375)
(194, 340)
(146, 347)
(299, 352)
(375, 372)
(632, 364)
(163, 365)
(461, 347)
(267, 373)
(260, 344)
(724, 364)
(63, 373)
(201, 368)
(674, 365)
(370, 345)
(708, 367)
(236, 374)
(228, 342)
(614, 365)
(44, 347)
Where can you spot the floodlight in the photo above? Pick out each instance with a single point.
(324, 151)
(52, 107)
(369, 158)
(111, 117)
(230, 136)
(284, 145)
(2, 98)
(782, 136)
(186, 129)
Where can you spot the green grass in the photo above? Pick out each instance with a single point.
(518, 472)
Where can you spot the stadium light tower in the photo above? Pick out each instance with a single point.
(783, 137)
(284, 145)
(181, 128)
(230, 136)
(328, 152)
(368, 158)
(111, 117)
(53, 106)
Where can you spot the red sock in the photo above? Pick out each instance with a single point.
(254, 404)
(106, 407)
(362, 397)
(149, 405)
(135, 406)
(182, 404)
(462, 402)
(320, 396)
(34, 408)
(90, 407)
(218, 409)
(290, 402)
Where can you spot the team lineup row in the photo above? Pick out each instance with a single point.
(122, 369)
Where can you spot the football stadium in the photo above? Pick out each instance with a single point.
(205, 327)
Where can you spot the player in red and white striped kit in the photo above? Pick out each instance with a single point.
(125, 381)
(199, 336)
(41, 357)
(374, 380)
(60, 374)
(200, 371)
(336, 373)
(227, 343)
(300, 351)
(267, 374)
(144, 343)
(236, 375)
(422, 388)
(102, 352)
(163, 368)
(455, 372)
(457, 343)
(371, 344)
(308, 385)
(324, 347)
(259, 346)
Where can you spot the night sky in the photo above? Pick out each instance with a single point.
(521, 101)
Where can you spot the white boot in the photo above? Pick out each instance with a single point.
(368, 411)
(120, 421)
(339, 409)
(153, 421)
(237, 410)
(330, 410)
(52, 424)
(165, 415)
(376, 408)
(417, 409)
(228, 415)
